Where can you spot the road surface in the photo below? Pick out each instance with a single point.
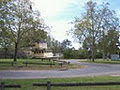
(91, 69)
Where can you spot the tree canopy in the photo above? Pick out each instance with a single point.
(93, 23)
(24, 25)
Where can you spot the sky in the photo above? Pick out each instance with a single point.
(58, 15)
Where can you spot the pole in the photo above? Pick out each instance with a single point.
(48, 85)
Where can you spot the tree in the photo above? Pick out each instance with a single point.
(86, 46)
(5, 42)
(110, 40)
(55, 45)
(65, 44)
(24, 24)
(113, 39)
(93, 22)
(68, 53)
(109, 22)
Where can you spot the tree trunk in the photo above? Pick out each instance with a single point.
(5, 52)
(103, 45)
(16, 50)
(93, 55)
(103, 55)
(93, 48)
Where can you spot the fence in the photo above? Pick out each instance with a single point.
(3, 86)
(49, 84)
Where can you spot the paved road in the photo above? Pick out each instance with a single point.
(89, 70)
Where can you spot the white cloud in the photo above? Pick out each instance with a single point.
(50, 8)
(59, 29)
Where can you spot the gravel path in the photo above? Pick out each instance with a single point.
(89, 70)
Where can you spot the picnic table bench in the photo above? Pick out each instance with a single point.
(61, 62)
(37, 63)
(49, 58)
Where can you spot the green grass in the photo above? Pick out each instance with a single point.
(27, 83)
(20, 66)
(101, 61)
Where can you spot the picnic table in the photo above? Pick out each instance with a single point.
(51, 58)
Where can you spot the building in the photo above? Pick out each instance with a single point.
(38, 50)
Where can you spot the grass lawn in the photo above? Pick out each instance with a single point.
(27, 83)
(101, 61)
(20, 66)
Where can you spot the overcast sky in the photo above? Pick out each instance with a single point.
(59, 13)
